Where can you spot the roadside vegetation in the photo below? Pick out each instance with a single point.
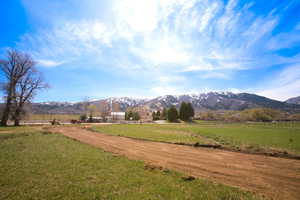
(252, 137)
(254, 114)
(40, 165)
(50, 117)
(131, 115)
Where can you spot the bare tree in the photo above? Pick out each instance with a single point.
(16, 69)
(25, 90)
(104, 108)
(85, 104)
(92, 109)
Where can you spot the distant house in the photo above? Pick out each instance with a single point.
(117, 115)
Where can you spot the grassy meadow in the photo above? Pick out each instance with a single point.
(39, 165)
(283, 136)
(161, 133)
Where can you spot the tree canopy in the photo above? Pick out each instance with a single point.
(172, 114)
(186, 111)
(22, 81)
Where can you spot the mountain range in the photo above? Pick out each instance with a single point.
(295, 100)
(200, 102)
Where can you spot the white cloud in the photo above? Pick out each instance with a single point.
(70, 41)
(192, 34)
(171, 79)
(140, 16)
(215, 75)
(201, 67)
(208, 15)
(285, 85)
(235, 90)
(165, 49)
(259, 28)
(285, 40)
(49, 63)
(163, 38)
(283, 92)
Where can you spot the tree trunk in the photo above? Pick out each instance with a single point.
(6, 112)
(17, 117)
(5, 115)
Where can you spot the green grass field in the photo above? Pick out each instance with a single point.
(36, 165)
(281, 136)
(284, 136)
(165, 133)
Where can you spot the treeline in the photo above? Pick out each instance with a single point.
(255, 114)
(185, 113)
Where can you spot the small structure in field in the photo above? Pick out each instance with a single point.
(117, 115)
(95, 119)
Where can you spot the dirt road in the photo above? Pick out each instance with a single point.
(277, 178)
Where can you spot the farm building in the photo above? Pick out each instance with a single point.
(117, 115)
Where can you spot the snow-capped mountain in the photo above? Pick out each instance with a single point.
(220, 101)
(202, 101)
(123, 102)
(295, 100)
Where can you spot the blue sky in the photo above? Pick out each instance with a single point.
(103, 48)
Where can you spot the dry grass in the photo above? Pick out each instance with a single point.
(62, 117)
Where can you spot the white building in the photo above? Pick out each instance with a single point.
(117, 115)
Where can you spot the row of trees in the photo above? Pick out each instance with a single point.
(131, 115)
(186, 112)
(21, 82)
(160, 115)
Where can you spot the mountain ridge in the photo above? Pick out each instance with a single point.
(201, 102)
(294, 100)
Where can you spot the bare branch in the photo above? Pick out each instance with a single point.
(22, 82)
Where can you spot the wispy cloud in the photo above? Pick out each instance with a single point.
(284, 85)
(185, 33)
(215, 75)
(49, 63)
(164, 38)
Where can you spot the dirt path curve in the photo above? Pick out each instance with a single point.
(277, 178)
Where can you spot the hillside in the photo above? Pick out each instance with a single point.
(201, 102)
(295, 100)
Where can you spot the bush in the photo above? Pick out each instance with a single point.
(254, 114)
(208, 116)
(294, 117)
(262, 114)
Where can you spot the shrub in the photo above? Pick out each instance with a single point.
(83, 117)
